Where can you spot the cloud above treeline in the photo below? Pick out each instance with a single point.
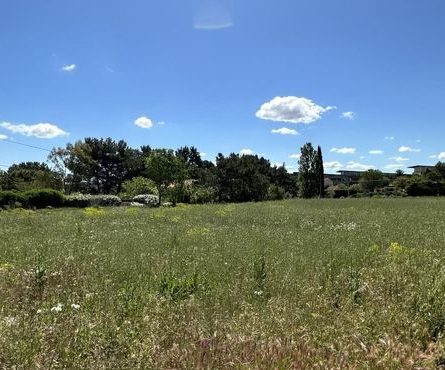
(343, 150)
(292, 109)
(285, 131)
(143, 122)
(39, 130)
(406, 149)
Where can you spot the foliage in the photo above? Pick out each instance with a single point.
(138, 185)
(9, 199)
(372, 179)
(424, 187)
(242, 178)
(309, 172)
(198, 194)
(43, 198)
(32, 198)
(165, 168)
(275, 193)
(148, 199)
(88, 200)
(319, 172)
(30, 176)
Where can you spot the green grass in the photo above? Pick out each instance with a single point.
(302, 284)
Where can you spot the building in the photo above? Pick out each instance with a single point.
(350, 177)
(421, 169)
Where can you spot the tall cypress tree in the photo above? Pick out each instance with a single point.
(307, 175)
(319, 170)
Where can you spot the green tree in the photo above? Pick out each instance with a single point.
(308, 177)
(166, 169)
(372, 179)
(29, 176)
(319, 170)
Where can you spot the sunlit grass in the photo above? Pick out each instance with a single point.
(303, 284)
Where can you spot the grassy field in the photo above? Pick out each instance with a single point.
(292, 284)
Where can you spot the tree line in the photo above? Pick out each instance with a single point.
(107, 166)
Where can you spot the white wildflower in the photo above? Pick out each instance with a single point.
(57, 308)
(75, 306)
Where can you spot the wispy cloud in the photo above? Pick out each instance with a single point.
(69, 67)
(144, 122)
(344, 150)
(391, 138)
(285, 131)
(349, 115)
(376, 152)
(395, 166)
(3, 137)
(295, 156)
(399, 159)
(334, 165)
(406, 149)
(355, 166)
(212, 15)
(291, 109)
(39, 130)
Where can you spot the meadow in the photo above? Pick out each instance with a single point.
(350, 283)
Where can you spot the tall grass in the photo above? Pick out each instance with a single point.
(293, 284)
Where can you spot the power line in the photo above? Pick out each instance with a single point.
(27, 145)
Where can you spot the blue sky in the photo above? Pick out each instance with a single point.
(363, 79)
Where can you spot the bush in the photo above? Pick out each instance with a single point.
(425, 188)
(276, 192)
(148, 199)
(44, 198)
(136, 186)
(87, 200)
(9, 199)
(202, 195)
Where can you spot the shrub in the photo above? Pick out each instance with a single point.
(87, 200)
(43, 198)
(425, 188)
(9, 199)
(148, 199)
(276, 192)
(136, 186)
(202, 194)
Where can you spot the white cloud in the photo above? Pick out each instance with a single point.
(295, 156)
(334, 165)
(69, 67)
(376, 152)
(212, 15)
(405, 149)
(246, 152)
(285, 131)
(395, 166)
(202, 154)
(39, 130)
(355, 166)
(343, 150)
(3, 137)
(433, 156)
(399, 159)
(349, 115)
(291, 109)
(389, 138)
(441, 156)
(144, 122)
